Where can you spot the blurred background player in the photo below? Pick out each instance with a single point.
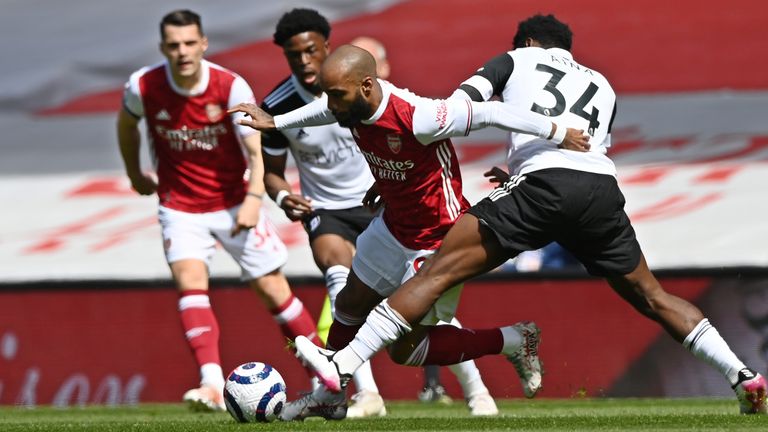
(203, 195)
(333, 175)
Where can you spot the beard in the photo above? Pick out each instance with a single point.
(359, 110)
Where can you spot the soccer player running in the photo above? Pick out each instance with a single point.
(406, 141)
(552, 195)
(333, 175)
(478, 398)
(203, 195)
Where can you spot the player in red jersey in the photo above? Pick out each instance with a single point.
(203, 195)
(406, 141)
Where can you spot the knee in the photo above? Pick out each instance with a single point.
(400, 353)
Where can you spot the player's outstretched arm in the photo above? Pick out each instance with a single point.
(259, 119)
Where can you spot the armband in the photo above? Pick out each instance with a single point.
(259, 196)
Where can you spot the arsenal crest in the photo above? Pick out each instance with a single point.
(394, 143)
(214, 112)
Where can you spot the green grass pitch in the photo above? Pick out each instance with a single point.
(544, 415)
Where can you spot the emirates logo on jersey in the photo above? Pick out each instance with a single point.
(214, 112)
(394, 142)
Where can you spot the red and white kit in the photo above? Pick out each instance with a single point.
(201, 165)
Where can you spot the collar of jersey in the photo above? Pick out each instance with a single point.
(561, 52)
(386, 91)
(199, 88)
(305, 94)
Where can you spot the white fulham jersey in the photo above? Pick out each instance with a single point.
(549, 82)
(332, 170)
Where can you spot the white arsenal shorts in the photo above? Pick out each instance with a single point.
(258, 251)
(383, 264)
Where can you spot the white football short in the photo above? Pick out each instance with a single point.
(383, 263)
(258, 251)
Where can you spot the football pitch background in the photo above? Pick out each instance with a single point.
(518, 414)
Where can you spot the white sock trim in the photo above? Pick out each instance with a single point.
(291, 312)
(201, 301)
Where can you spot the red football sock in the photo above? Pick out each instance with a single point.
(294, 320)
(340, 335)
(450, 345)
(200, 326)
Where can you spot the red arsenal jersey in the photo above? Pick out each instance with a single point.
(419, 183)
(200, 161)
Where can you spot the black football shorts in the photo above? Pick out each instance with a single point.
(582, 211)
(347, 223)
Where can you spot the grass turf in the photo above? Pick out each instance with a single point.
(549, 415)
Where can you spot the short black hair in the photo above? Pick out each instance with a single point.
(180, 17)
(547, 30)
(300, 20)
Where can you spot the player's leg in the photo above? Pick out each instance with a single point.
(686, 324)
(468, 249)
(476, 394)
(351, 303)
(333, 256)
(332, 234)
(260, 254)
(604, 241)
(188, 246)
(433, 390)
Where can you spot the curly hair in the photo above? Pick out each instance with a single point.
(300, 20)
(547, 30)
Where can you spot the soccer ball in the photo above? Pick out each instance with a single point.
(254, 392)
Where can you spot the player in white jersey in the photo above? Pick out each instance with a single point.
(406, 141)
(571, 198)
(203, 197)
(333, 175)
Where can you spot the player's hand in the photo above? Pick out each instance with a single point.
(296, 207)
(247, 216)
(260, 120)
(372, 200)
(496, 175)
(143, 183)
(575, 140)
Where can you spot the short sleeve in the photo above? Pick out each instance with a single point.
(490, 79)
(240, 92)
(132, 102)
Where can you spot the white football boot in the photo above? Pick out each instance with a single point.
(320, 361)
(204, 398)
(751, 392)
(526, 359)
(482, 405)
(366, 403)
(317, 403)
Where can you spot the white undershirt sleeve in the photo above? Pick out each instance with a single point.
(315, 113)
(500, 115)
(434, 120)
